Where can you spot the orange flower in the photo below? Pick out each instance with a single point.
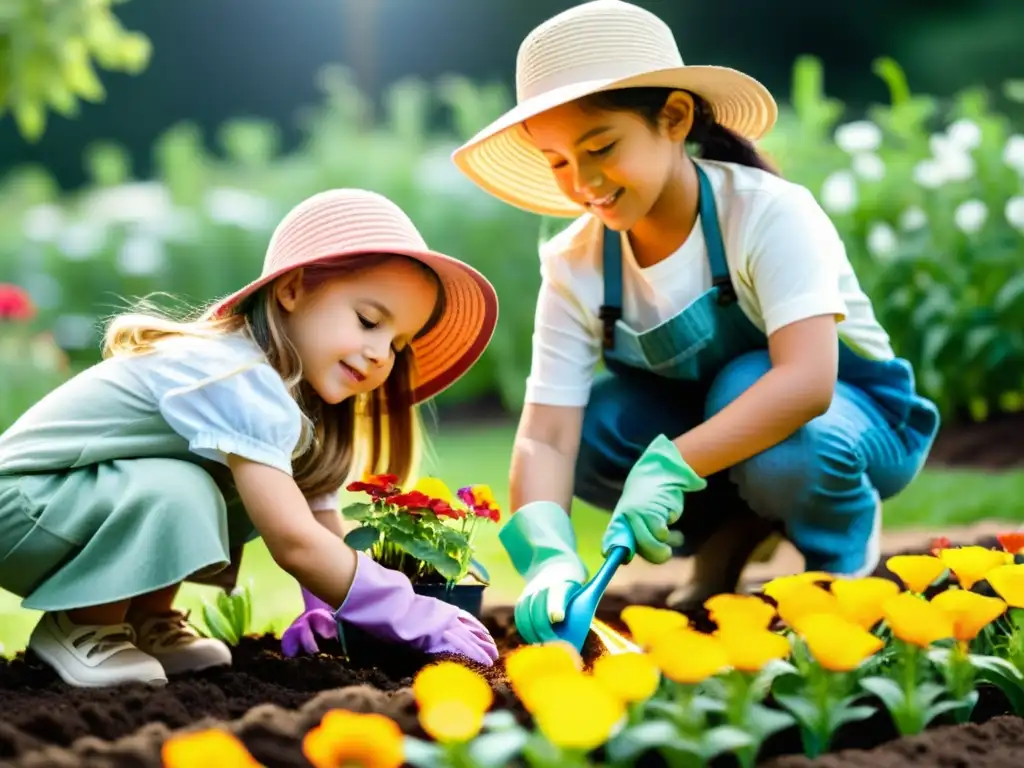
(1008, 582)
(689, 657)
(804, 598)
(451, 721)
(1012, 541)
(969, 611)
(575, 711)
(860, 600)
(206, 747)
(646, 624)
(352, 738)
(836, 643)
(631, 677)
(743, 610)
(971, 564)
(780, 584)
(916, 621)
(448, 680)
(749, 650)
(528, 664)
(917, 572)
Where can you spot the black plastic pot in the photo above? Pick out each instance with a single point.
(468, 597)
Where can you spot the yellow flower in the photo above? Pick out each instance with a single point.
(916, 621)
(687, 656)
(206, 747)
(630, 676)
(351, 738)
(530, 663)
(574, 711)
(917, 572)
(749, 650)
(971, 564)
(646, 623)
(434, 488)
(742, 610)
(860, 600)
(803, 598)
(1008, 582)
(780, 584)
(451, 721)
(969, 611)
(836, 643)
(449, 681)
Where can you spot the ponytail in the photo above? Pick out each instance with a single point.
(714, 140)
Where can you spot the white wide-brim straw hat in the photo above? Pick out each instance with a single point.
(600, 45)
(348, 222)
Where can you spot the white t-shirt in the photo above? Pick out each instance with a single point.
(786, 261)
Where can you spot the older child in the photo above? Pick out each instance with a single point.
(192, 438)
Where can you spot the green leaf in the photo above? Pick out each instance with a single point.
(801, 708)
(763, 721)
(422, 754)
(1002, 674)
(843, 714)
(477, 570)
(357, 512)
(500, 720)
(891, 72)
(722, 739)
(885, 689)
(1009, 300)
(633, 742)
(362, 538)
(442, 562)
(218, 625)
(498, 749)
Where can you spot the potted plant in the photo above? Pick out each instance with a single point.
(427, 533)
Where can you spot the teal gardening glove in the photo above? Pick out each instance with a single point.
(651, 501)
(542, 545)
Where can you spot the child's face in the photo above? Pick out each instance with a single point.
(613, 163)
(347, 330)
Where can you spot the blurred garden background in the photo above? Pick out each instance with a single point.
(153, 146)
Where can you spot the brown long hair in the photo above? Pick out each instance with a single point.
(377, 432)
(716, 142)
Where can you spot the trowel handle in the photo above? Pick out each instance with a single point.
(616, 557)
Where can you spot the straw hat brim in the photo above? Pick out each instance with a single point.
(451, 347)
(502, 160)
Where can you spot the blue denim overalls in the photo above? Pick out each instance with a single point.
(820, 486)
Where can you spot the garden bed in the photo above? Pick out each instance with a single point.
(270, 702)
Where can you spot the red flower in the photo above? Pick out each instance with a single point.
(15, 303)
(378, 486)
(942, 542)
(411, 500)
(443, 509)
(1012, 542)
(480, 500)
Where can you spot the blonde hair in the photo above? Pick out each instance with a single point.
(380, 431)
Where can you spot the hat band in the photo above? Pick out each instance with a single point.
(588, 75)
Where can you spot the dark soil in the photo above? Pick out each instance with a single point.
(270, 701)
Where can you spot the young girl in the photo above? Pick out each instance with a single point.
(746, 369)
(191, 439)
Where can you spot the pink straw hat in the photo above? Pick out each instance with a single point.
(349, 222)
(596, 46)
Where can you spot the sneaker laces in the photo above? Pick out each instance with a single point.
(168, 629)
(91, 641)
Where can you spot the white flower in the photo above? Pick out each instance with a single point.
(929, 174)
(240, 208)
(129, 203)
(1013, 153)
(881, 241)
(964, 134)
(839, 192)
(1015, 212)
(140, 255)
(970, 216)
(869, 166)
(913, 218)
(858, 136)
(43, 223)
(956, 166)
(82, 240)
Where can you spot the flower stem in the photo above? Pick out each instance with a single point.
(908, 719)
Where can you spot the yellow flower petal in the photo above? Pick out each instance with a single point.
(630, 676)
(646, 623)
(803, 598)
(780, 584)
(575, 711)
(750, 650)
(917, 572)
(451, 721)
(449, 681)
(971, 564)
(434, 488)
(529, 663)
(836, 643)
(370, 740)
(206, 747)
(687, 656)
(916, 621)
(743, 610)
(860, 600)
(969, 611)
(1008, 583)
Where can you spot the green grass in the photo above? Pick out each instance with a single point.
(938, 498)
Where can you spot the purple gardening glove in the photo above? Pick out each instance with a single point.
(382, 603)
(316, 620)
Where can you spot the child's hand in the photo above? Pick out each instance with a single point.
(316, 620)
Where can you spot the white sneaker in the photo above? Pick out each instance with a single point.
(873, 551)
(171, 640)
(93, 656)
